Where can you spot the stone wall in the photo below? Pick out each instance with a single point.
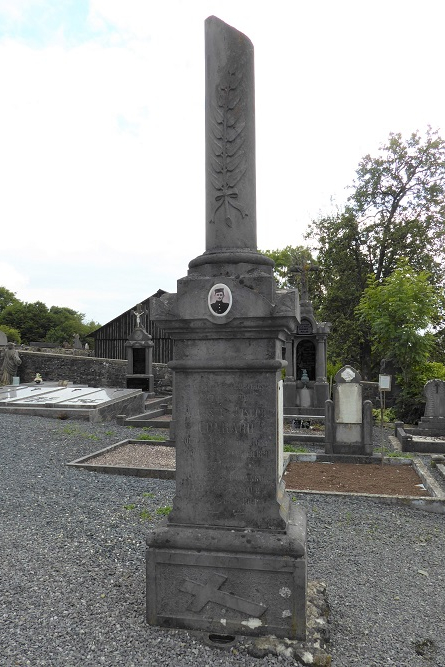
(163, 381)
(79, 369)
(82, 369)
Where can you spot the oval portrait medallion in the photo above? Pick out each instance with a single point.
(220, 300)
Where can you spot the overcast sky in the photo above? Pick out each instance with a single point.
(102, 129)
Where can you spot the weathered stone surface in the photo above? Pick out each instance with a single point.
(213, 584)
(434, 391)
(230, 138)
(78, 369)
(232, 555)
(313, 651)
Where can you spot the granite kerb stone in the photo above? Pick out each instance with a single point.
(87, 462)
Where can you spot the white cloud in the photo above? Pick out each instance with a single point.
(102, 160)
(12, 278)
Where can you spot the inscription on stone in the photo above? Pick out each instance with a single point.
(226, 438)
(304, 328)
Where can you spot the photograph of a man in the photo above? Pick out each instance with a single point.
(220, 299)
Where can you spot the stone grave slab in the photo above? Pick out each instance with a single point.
(27, 393)
(91, 403)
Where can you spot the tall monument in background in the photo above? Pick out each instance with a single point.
(231, 557)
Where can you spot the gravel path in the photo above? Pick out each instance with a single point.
(72, 565)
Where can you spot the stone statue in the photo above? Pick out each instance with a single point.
(10, 364)
(76, 342)
(138, 313)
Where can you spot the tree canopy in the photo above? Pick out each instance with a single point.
(7, 298)
(291, 263)
(399, 311)
(398, 201)
(36, 322)
(396, 210)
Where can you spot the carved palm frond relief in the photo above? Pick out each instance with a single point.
(228, 160)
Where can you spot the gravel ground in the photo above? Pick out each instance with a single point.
(72, 565)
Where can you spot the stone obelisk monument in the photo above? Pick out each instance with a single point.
(231, 557)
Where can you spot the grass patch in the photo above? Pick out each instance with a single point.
(393, 454)
(71, 429)
(147, 436)
(295, 450)
(164, 511)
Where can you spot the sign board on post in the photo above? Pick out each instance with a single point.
(384, 382)
(384, 385)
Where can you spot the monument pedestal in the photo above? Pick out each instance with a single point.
(229, 582)
(232, 556)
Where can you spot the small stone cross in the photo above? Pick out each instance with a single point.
(304, 269)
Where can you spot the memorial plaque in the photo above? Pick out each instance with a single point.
(304, 328)
(348, 404)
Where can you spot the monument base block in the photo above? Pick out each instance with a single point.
(229, 582)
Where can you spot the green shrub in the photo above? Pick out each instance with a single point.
(13, 335)
(389, 415)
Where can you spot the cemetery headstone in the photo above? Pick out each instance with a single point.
(231, 557)
(348, 427)
(3, 339)
(434, 391)
(139, 349)
(433, 421)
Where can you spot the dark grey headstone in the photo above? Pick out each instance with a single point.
(434, 391)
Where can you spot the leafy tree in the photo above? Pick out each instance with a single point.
(11, 334)
(396, 209)
(286, 260)
(35, 322)
(438, 353)
(295, 267)
(31, 319)
(343, 274)
(64, 322)
(432, 370)
(399, 203)
(7, 298)
(400, 311)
